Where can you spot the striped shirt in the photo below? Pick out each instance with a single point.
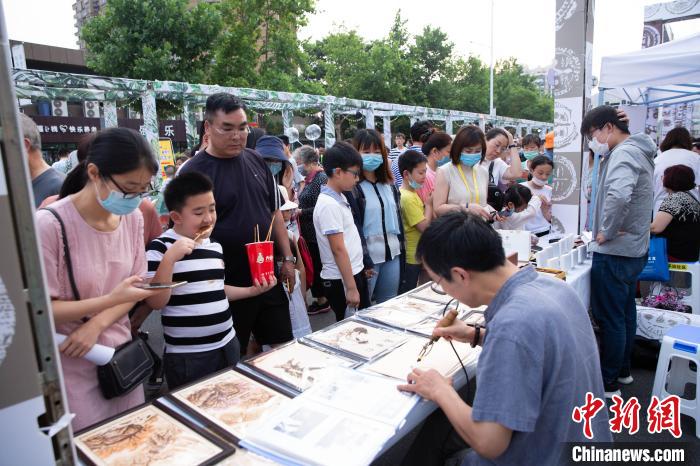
(398, 179)
(197, 317)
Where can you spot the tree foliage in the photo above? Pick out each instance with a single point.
(154, 39)
(259, 47)
(253, 43)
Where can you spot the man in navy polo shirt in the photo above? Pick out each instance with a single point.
(538, 360)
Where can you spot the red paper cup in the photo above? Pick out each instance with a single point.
(261, 260)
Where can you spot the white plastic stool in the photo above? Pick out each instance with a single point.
(693, 268)
(680, 346)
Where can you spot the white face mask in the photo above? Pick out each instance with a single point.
(538, 182)
(600, 148)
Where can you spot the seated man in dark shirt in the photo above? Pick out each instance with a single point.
(246, 196)
(538, 360)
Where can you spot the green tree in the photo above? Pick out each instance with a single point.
(153, 39)
(259, 46)
(517, 95)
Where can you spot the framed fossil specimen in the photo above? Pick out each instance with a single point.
(149, 436)
(431, 292)
(295, 365)
(358, 339)
(229, 402)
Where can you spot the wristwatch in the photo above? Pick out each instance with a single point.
(291, 259)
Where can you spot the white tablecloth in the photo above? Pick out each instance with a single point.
(579, 278)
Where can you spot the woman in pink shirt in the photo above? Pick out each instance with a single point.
(437, 150)
(104, 231)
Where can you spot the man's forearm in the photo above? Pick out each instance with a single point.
(488, 439)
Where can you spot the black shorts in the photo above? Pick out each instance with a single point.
(266, 316)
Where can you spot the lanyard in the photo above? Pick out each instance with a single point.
(476, 186)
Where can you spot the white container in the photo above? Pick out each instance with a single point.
(580, 254)
(565, 262)
(541, 259)
(553, 263)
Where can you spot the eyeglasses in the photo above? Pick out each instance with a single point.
(356, 174)
(128, 195)
(231, 131)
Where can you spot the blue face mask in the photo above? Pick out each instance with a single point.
(414, 185)
(117, 204)
(470, 159)
(371, 162)
(529, 155)
(443, 161)
(275, 167)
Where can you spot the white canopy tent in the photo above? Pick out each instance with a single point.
(666, 74)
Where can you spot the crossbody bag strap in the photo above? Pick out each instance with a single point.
(491, 181)
(69, 263)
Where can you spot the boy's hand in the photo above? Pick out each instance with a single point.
(260, 288)
(180, 248)
(352, 298)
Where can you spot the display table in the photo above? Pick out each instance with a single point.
(579, 278)
(190, 417)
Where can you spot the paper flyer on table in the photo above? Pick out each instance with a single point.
(364, 394)
(309, 433)
(98, 354)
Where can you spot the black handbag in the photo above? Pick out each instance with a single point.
(132, 362)
(495, 195)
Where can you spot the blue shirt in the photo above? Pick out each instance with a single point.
(540, 345)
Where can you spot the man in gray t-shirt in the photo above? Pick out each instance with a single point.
(539, 356)
(45, 180)
(48, 183)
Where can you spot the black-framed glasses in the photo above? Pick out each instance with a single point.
(355, 173)
(128, 195)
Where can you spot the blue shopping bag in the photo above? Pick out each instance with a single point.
(656, 269)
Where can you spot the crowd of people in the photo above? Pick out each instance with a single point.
(356, 226)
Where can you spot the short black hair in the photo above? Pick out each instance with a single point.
(421, 130)
(531, 139)
(540, 160)
(410, 160)
(495, 132)
(601, 116)
(184, 186)
(284, 138)
(518, 194)
(223, 101)
(460, 239)
(342, 155)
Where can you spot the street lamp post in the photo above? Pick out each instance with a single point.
(492, 111)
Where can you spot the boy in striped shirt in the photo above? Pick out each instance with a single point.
(197, 324)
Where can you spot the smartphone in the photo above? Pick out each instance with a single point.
(159, 285)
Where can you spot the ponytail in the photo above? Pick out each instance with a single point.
(75, 180)
(113, 151)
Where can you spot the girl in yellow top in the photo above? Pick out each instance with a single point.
(463, 184)
(415, 214)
